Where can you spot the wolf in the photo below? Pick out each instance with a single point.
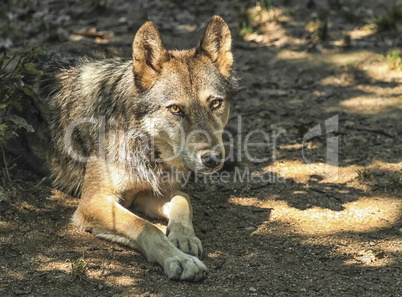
(124, 131)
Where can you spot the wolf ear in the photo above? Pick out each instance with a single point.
(149, 54)
(217, 44)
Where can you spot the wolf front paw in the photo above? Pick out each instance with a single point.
(185, 267)
(186, 241)
(188, 244)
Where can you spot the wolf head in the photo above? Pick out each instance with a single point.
(185, 95)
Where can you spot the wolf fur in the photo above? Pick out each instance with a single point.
(117, 138)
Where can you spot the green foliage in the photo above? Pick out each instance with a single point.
(79, 269)
(248, 14)
(245, 26)
(16, 95)
(394, 58)
(364, 174)
(14, 91)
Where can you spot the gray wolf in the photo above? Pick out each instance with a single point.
(123, 131)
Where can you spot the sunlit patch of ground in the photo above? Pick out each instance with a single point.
(374, 65)
(121, 281)
(297, 146)
(6, 227)
(381, 165)
(287, 54)
(271, 31)
(367, 214)
(338, 229)
(377, 100)
(356, 34)
(300, 171)
(373, 105)
(49, 264)
(380, 101)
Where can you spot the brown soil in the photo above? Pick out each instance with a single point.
(301, 233)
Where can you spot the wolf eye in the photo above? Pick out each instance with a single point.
(215, 104)
(176, 110)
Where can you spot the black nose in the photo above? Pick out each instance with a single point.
(212, 161)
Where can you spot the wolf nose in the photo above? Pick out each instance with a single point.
(212, 161)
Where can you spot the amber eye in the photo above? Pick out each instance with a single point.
(176, 110)
(215, 104)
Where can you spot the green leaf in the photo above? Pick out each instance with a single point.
(18, 75)
(3, 129)
(21, 123)
(28, 91)
(30, 67)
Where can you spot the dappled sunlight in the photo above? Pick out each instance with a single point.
(297, 170)
(214, 255)
(372, 64)
(395, 246)
(121, 281)
(260, 14)
(286, 54)
(367, 214)
(352, 58)
(334, 57)
(371, 254)
(364, 215)
(343, 215)
(7, 227)
(361, 32)
(301, 171)
(381, 165)
(344, 79)
(370, 263)
(16, 275)
(50, 264)
(297, 146)
(371, 105)
(374, 100)
(271, 31)
(377, 253)
(356, 34)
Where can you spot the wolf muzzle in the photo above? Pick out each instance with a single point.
(212, 161)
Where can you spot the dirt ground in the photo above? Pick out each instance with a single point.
(287, 226)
